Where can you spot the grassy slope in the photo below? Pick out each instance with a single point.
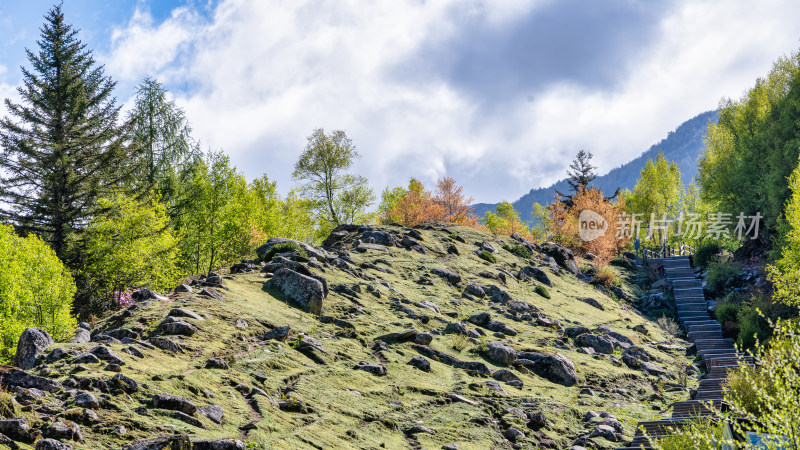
(352, 408)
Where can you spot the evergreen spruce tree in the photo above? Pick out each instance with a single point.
(581, 173)
(62, 147)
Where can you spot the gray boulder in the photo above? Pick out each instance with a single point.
(31, 344)
(172, 442)
(550, 366)
(375, 369)
(51, 444)
(173, 403)
(500, 353)
(218, 444)
(600, 344)
(634, 356)
(213, 413)
(307, 292)
(480, 319)
(563, 256)
(449, 275)
(536, 273)
(82, 335)
(592, 302)
(180, 312)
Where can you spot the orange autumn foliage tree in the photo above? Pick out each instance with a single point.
(414, 207)
(415, 204)
(456, 206)
(566, 226)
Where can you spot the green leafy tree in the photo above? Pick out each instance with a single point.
(130, 245)
(542, 230)
(785, 273)
(753, 148)
(658, 192)
(505, 221)
(390, 198)
(219, 214)
(340, 197)
(63, 147)
(36, 290)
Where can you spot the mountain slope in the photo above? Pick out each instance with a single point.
(255, 366)
(684, 146)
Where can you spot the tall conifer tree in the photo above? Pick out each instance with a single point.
(62, 146)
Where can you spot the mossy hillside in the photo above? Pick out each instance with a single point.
(350, 408)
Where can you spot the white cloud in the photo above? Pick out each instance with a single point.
(261, 75)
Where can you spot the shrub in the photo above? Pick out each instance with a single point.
(460, 342)
(487, 256)
(625, 263)
(755, 317)
(606, 277)
(130, 245)
(740, 387)
(519, 250)
(701, 434)
(36, 290)
(541, 290)
(669, 326)
(706, 254)
(726, 311)
(283, 247)
(8, 405)
(721, 275)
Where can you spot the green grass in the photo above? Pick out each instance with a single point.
(351, 407)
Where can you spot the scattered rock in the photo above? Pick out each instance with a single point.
(124, 383)
(86, 358)
(420, 363)
(178, 328)
(480, 319)
(600, 344)
(513, 434)
(592, 302)
(211, 292)
(500, 353)
(423, 338)
(550, 366)
(416, 429)
(375, 369)
(32, 343)
(166, 344)
(63, 430)
(213, 413)
(475, 290)
(180, 312)
(240, 323)
(277, 333)
(535, 273)
(147, 294)
(398, 336)
(82, 335)
(218, 444)
(50, 444)
(508, 377)
(174, 442)
(183, 288)
(173, 403)
(107, 355)
(217, 363)
(305, 291)
(574, 332)
(16, 377)
(87, 400)
(634, 356)
(455, 328)
(17, 429)
(449, 275)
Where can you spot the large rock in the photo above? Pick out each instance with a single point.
(379, 237)
(375, 369)
(31, 344)
(107, 355)
(82, 336)
(213, 413)
(218, 444)
(550, 366)
(449, 275)
(634, 356)
(51, 444)
(480, 319)
(16, 377)
(173, 403)
(563, 256)
(592, 302)
(500, 353)
(535, 273)
(180, 312)
(174, 442)
(307, 292)
(17, 428)
(178, 328)
(321, 255)
(451, 360)
(600, 344)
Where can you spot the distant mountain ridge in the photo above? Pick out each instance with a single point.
(684, 146)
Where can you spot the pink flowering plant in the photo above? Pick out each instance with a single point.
(125, 298)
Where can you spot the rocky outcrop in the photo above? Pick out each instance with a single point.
(305, 291)
(563, 256)
(553, 367)
(30, 345)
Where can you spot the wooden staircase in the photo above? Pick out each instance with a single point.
(718, 354)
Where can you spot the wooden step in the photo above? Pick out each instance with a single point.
(659, 427)
(689, 292)
(694, 335)
(687, 409)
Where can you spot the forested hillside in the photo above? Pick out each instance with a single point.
(684, 146)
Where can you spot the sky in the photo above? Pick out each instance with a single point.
(499, 95)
